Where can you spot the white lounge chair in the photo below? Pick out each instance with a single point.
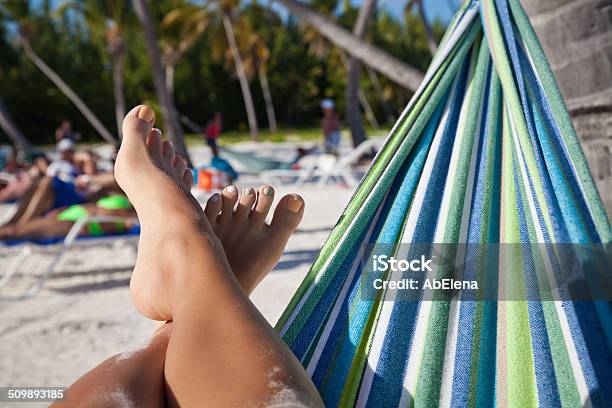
(58, 249)
(323, 168)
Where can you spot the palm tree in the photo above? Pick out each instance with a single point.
(396, 70)
(255, 56)
(168, 109)
(12, 131)
(353, 115)
(179, 30)
(18, 11)
(109, 20)
(579, 54)
(228, 10)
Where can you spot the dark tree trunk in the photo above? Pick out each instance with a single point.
(383, 62)
(168, 109)
(118, 80)
(12, 131)
(577, 38)
(353, 114)
(66, 90)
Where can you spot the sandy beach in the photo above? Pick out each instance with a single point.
(84, 313)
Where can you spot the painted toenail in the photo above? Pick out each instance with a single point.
(156, 130)
(231, 190)
(146, 114)
(268, 191)
(215, 197)
(247, 191)
(294, 204)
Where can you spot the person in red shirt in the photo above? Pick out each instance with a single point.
(213, 130)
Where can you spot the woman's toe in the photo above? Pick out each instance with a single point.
(287, 215)
(188, 178)
(245, 203)
(228, 201)
(137, 126)
(168, 151)
(179, 167)
(265, 197)
(154, 143)
(213, 208)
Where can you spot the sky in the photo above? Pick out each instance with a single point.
(442, 10)
(435, 9)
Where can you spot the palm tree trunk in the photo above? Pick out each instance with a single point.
(12, 131)
(169, 68)
(66, 90)
(577, 38)
(168, 109)
(363, 100)
(118, 80)
(431, 39)
(242, 78)
(353, 114)
(383, 62)
(376, 83)
(265, 89)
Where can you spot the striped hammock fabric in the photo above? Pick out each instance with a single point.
(485, 152)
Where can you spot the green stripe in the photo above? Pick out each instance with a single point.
(522, 390)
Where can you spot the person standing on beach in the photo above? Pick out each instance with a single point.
(331, 127)
(212, 132)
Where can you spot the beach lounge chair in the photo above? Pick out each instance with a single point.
(17, 283)
(485, 152)
(323, 168)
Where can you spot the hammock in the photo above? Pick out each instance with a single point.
(485, 152)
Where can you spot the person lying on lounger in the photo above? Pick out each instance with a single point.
(71, 180)
(57, 223)
(194, 271)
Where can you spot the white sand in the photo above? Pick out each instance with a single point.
(84, 315)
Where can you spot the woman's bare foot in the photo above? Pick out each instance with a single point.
(157, 183)
(253, 247)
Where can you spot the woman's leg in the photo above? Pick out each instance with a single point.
(50, 227)
(38, 228)
(16, 188)
(36, 203)
(130, 379)
(24, 201)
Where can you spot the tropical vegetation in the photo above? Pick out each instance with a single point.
(264, 69)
